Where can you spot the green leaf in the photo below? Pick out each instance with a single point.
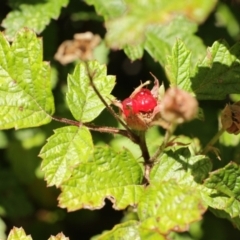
(181, 167)
(218, 74)
(166, 206)
(113, 175)
(160, 39)
(178, 68)
(26, 98)
(225, 18)
(65, 150)
(134, 52)
(131, 27)
(3, 229)
(228, 140)
(224, 189)
(108, 9)
(126, 230)
(59, 236)
(82, 100)
(35, 16)
(18, 234)
(173, 199)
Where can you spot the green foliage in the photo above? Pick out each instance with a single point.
(90, 185)
(26, 98)
(67, 148)
(18, 234)
(84, 104)
(213, 78)
(164, 177)
(224, 185)
(32, 14)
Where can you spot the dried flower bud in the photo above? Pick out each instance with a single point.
(81, 47)
(178, 106)
(230, 118)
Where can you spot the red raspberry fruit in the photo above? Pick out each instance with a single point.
(129, 106)
(145, 100)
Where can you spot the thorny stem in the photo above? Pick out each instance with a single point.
(166, 139)
(212, 141)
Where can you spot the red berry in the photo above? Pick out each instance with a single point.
(129, 106)
(145, 100)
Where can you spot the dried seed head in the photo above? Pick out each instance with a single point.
(178, 106)
(81, 47)
(230, 118)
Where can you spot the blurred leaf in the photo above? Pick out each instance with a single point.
(229, 139)
(26, 98)
(34, 15)
(132, 25)
(101, 52)
(218, 74)
(169, 206)
(134, 52)
(59, 236)
(226, 18)
(3, 139)
(108, 9)
(113, 175)
(153, 139)
(126, 230)
(65, 150)
(18, 234)
(160, 39)
(54, 77)
(82, 100)
(3, 229)
(224, 189)
(29, 138)
(23, 162)
(13, 200)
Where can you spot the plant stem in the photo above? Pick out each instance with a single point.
(91, 75)
(143, 147)
(212, 141)
(166, 139)
(102, 129)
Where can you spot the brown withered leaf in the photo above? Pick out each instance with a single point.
(81, 47)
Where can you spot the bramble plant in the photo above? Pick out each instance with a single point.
(162, 165)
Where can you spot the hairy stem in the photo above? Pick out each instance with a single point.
(95, 128)
(212, 141)
(143, 147)
(138, 139)
(91, 75)
(168, 134)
